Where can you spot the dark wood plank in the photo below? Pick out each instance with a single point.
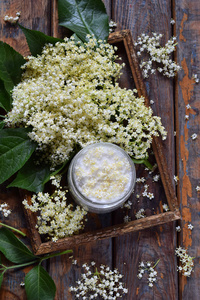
(159, 242)
(11, 288)
(34, 15)
(188, 33)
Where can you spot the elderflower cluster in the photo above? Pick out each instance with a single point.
(103, 282)
(70, 97)
(187, 261)
(112, 26)
(4, 208)
(140, 179)
(146, 193)
(197, 188)
(195, 78)
(12, 20)
(140, 214)
(149, 267)
(128, 204)
(156, 177)
(157, 54)
(57, 218)
(127, 219)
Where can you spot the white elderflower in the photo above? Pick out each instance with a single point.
(140, 214)
(128, 204)
(22, 284)
(104, 283)
(190, 226)
(140, 180)
(178, 228)
(112, 26)
(156, 177)
(188, 106)
(172, 21)
(148, 267)
(4, 209)
(195, 78)
(70, 97)
(186, 261)
(127, 219)
(176, 179)
(165, 207)
(57, 218)
(186, 117)
(194, 136)
(197, 188)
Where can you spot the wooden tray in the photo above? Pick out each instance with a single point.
(121, 39)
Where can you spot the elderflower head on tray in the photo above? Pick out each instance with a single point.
(57, 217)
(69, 95)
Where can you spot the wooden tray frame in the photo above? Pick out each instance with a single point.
(113, 231)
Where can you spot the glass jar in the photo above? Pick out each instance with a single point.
(101, 177)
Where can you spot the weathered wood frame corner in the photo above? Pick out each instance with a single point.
(113, 231)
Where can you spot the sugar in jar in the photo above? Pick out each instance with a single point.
(101, 177)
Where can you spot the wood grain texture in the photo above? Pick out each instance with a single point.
(34, 15)
(188, 56)
(139, 17)
(11, 289)
(150, 244)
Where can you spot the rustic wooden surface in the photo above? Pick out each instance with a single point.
(182, 154)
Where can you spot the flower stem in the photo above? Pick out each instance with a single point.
(156, 263)
(56, 254)
(22, 265)
(12, 228)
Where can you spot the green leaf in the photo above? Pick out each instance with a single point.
(32, 177)
(15, 149)
(143, 161)
(10, 66)
(1, 279)
(39, 285)
(2, 124)
(84, 17)
(36, 40)
(13, 249)
(5, 98)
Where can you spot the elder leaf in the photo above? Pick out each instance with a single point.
(13, 249)
(5, 98)
(84, 17)
(32, 177)
(37, 39)
(15, 149)
(2, 124)
(39, 285)
(10, 66)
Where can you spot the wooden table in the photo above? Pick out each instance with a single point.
(182, 153)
